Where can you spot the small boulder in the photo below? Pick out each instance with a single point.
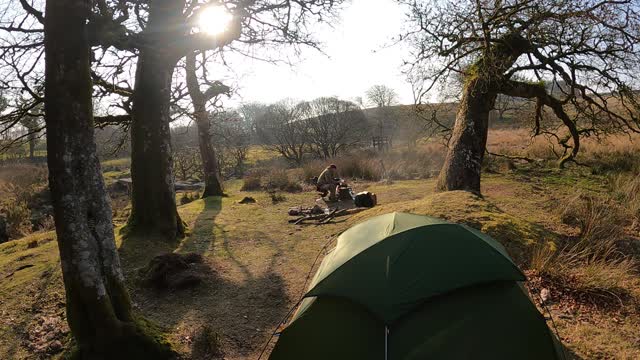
(247, 200)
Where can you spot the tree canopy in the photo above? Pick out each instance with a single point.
(578, 59)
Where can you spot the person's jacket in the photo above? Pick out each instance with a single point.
(328, 176)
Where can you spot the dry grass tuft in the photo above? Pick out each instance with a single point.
(625, 188)
(589, 267)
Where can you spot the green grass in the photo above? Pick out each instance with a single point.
(258, 153)
(122, 162)
(27, 291)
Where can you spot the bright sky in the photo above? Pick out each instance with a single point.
(358, 56)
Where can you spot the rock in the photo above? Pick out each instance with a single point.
(545, 295)
(55, 347)
(173, 271)
(4, 236)
(247, 200)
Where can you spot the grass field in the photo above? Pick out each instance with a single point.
(258, 264)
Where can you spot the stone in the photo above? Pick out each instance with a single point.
(247, 200)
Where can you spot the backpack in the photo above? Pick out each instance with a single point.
(365, 199)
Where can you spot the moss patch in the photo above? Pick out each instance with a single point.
(517, 235)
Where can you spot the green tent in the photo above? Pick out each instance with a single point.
(403, 286)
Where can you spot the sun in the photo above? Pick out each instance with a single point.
(214, 20)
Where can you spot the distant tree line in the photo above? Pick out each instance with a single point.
(322, 128)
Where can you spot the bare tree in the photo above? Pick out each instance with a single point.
(382, 96)
(98, 306)
(250, 112)
(33, 123)
(187, 163)
(234, 138)
(334, 126)
(282, 129)
(152, 36)
(588, 45)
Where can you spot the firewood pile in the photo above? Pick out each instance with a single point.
(316, 215)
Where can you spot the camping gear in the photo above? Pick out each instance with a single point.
(344, 192)
(404, 286)
(365, 199)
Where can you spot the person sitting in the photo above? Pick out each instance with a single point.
(328, 181)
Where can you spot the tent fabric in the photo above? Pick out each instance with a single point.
(444, 291)
(332, 328)
(494, 321)
(393, 262)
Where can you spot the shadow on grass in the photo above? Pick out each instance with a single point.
(239, 300)
(201, 237)
(136, 250)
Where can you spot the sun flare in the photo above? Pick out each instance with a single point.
(214, 20)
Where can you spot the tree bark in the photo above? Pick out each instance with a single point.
(98, 306)
(32, 145)
(153, 202)
(463, 163)
(212, 181)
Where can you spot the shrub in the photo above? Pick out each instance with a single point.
(18, 218)
(24, 175)
(251, 182)
(274, 179)
(422, 162)
(277, 197)
(278, 179)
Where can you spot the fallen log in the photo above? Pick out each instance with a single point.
(325, 218)
(332, 215)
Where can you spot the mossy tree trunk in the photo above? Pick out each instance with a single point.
(153, 203)
(463, 164)
(212, 181)
(98, 306)
(484, 80)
